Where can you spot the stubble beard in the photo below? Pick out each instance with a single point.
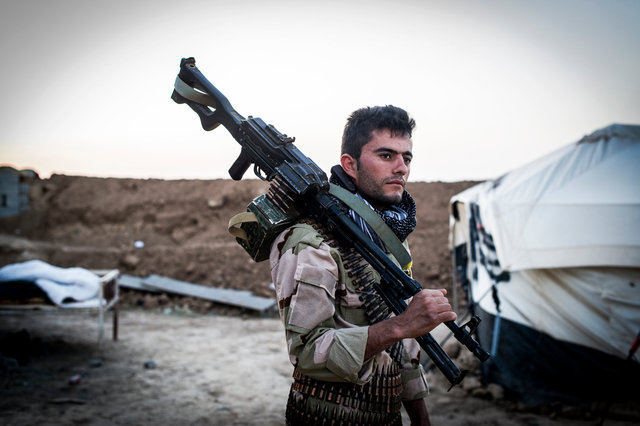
(373, 191)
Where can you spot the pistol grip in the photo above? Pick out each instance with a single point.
(240, 166)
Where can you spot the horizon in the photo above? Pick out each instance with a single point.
(247, 177)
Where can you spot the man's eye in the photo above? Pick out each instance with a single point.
(407, 160)
(385, 155)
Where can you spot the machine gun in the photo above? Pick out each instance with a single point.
(300, 188)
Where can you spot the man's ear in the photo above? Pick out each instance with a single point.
(349, 165)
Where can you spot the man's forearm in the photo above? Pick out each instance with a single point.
(381, 336)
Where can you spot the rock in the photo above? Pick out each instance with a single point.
(150, 301)
(130, 261)
(482, 393)
(466, 360)
(214, 203)
(471, 382)
(496, 391)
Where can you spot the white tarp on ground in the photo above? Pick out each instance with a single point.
(566, 230)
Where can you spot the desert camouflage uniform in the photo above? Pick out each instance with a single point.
(326, 329)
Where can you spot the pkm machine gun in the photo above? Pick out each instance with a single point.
(299, 187)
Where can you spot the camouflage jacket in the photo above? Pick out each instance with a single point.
(325, 323)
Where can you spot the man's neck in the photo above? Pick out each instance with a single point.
(376, 205)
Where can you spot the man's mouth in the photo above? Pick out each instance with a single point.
(396, 181)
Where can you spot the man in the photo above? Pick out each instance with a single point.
(353, 362)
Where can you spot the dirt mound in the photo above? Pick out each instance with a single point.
(97, 223)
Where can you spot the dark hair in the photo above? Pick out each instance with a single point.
(361, 123)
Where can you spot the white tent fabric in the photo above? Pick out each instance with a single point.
(566, 230)
(593, 307)
(578, 206)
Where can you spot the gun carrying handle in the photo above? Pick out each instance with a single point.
(240, 166)
(235, 225)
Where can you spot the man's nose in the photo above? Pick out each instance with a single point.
(400, 167)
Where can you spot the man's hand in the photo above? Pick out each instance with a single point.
(426, 311)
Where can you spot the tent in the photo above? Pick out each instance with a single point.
(549, 257)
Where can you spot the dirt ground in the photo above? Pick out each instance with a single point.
(181, 360)
(95, 222)
(185, 369)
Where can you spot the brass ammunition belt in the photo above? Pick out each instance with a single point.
(377, 402)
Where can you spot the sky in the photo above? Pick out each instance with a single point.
(491, 84)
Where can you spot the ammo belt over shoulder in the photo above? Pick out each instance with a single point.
(318, 402)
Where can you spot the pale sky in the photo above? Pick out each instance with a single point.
(491, 84)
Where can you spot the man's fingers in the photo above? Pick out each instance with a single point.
(435, 292)
(427, 293)
(449, 316)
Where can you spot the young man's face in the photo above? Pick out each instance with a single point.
(383, 168)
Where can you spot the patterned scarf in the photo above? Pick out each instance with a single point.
(401, 217)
